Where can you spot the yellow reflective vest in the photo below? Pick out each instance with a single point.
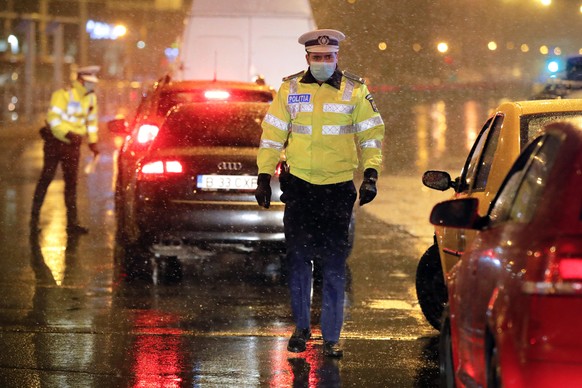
(74, 110)
(320, 129)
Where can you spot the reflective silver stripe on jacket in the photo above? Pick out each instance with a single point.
(276, 122)
(338, 129)
(57, 110)
(54, 122)
(91, 128)
(371, 144)
(91, 117)
(338, 108)
(302, 129)
(369, 123)
(66, 117)
(271, 144)
(296, 108)
(349, 89)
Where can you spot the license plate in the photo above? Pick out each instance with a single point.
(233, 182)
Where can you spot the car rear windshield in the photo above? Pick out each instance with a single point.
(172, 98)
(229, 125)
(533, 125)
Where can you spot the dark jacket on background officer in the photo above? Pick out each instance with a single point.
(327, 125)
(72, 115)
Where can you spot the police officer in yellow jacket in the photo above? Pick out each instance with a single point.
(72, 115)
(322, 119)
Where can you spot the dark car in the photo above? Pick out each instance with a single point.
(194, 189)
(140, 131)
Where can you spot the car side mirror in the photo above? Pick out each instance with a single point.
(437, 180)
(457, 213)
(118, 126)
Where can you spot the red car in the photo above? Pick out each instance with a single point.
(514, 316)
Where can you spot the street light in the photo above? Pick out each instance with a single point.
(13, 41)
(119, 31)
(442, 47)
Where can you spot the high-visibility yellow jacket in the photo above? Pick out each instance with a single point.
(72, 109)
(321, 128)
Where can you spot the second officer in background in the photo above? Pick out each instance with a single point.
(72, 115)
(323, 119)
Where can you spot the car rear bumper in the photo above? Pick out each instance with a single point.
(192, 224)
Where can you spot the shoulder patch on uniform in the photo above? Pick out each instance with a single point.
(372, 102)
(299, 74)
(353, 77)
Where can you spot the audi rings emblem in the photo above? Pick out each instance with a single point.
(230, 166)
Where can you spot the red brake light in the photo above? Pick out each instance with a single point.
(174, 166)
(563, 274)
(216, 95)
(146, 133)
(160, 169)
(153, 168)
(571, 269)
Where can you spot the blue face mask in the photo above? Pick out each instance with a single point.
(322, 70)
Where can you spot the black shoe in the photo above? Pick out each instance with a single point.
(77, 229)
(332, 349)
(298, 341)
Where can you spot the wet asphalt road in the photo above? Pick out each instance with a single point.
(68, 319)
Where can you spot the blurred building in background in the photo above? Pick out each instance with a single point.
(43, 42)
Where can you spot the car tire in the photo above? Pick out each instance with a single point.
(136, 264)
(119, 214)
(446, 364)
(168, 270)
(431, 290)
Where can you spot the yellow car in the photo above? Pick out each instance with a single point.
(504, 135)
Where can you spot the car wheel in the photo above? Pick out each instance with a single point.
(431, 290)
(167, 270)
(119, 215)
(136, 264)
(493, 367)
(446, 365)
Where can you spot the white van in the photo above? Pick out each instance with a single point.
(241, 40)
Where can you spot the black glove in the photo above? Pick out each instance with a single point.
(368, 189)
(263, 190)
(94, 149)
(284, 176)
(74, 139)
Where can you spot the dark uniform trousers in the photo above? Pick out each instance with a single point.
(317, 220)
(55, 152)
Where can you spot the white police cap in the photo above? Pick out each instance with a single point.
(88, 73)
(322, 41)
